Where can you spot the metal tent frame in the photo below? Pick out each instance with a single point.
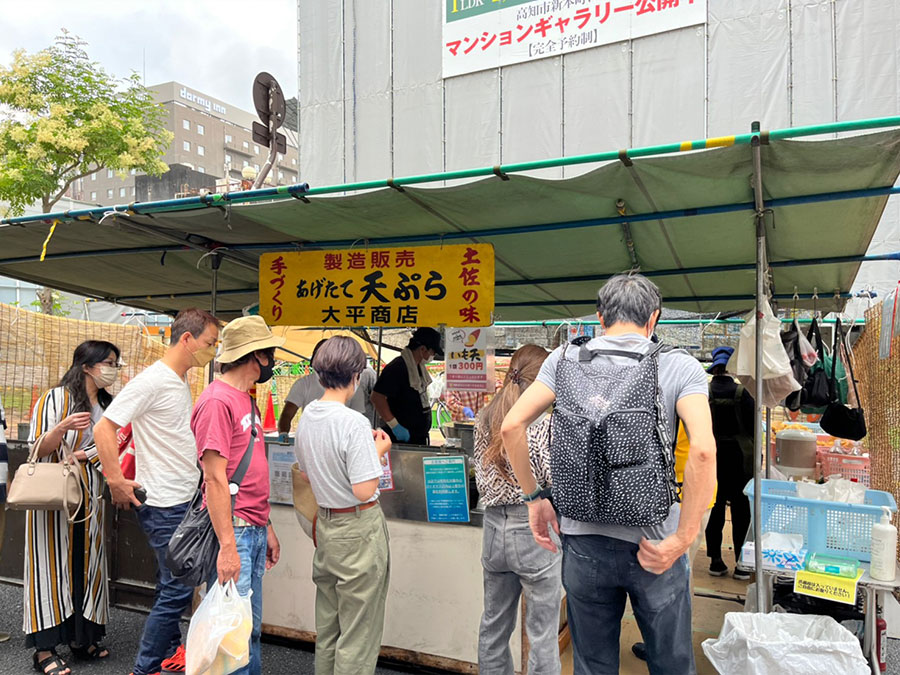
(242, 253)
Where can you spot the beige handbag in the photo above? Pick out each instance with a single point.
(305, 507)
(47, 486)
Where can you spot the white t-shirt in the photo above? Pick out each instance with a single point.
(158, 404)
(308, 389)
(334, 446)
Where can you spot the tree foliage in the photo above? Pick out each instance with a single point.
(62, 117)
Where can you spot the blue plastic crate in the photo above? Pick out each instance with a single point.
(827, 527)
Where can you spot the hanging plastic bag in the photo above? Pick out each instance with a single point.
(221, 612)
(777, 375)
(772, 644)
(807, 351)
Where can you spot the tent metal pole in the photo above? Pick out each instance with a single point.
(759, 436)
(768, 447)
(378, 367)
(216, 261)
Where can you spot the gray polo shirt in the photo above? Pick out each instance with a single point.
(680, 374)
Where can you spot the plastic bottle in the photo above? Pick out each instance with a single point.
(884, 548)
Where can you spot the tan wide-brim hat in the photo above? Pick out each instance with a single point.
(244, 335)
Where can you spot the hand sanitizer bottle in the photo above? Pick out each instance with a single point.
(884, 548)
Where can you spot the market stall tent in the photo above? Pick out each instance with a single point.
(687, 220)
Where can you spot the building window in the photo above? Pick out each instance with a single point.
(109, 173)
(133, 172)
(294, 161)
(281, 175)
(228, 138)
(200, 129)
(246, 163)
(201, 150)
(246, 145)
(200, 169)
(256, 166)
(94, 176)
(228, 159)
(186, 145)
(255, 148)
(132, 190)
(280, 157)
(186, 124)
(93, 196)
(109, 193)
(121, 192)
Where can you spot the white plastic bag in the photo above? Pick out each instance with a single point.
(808, 353)
(777, 374)
(772, 644)
(221, 611)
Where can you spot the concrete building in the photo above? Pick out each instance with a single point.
(380, 95)
(210, 137)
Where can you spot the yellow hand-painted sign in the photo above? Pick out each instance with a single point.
(414, 286)
(827, 586)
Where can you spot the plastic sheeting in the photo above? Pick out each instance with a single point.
(783, 62)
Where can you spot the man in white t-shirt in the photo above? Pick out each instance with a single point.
(308, 389)
(158, 404)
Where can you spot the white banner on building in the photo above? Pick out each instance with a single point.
(482, 34)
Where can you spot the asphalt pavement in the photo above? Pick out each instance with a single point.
(123, 633)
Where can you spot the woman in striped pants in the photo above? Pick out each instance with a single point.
(66, 594)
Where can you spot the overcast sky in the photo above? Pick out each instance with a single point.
(214, 47)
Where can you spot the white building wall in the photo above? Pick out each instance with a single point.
(374, 104)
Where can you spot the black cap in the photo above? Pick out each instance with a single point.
(430, 338)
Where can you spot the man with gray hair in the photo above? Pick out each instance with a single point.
(623, 531)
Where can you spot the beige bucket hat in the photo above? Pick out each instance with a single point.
(244, 335)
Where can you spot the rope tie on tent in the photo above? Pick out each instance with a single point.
(47, 240)
(499, 173)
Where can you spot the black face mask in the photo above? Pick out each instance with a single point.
(265, 372)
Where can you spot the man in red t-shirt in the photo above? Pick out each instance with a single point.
(223, 422)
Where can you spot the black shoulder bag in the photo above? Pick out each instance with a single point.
(194, 547)
(838, 419)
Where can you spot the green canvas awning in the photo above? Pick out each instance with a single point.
(690, 216)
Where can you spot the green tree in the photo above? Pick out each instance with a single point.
(63, 117)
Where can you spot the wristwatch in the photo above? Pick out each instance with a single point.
(534, 496)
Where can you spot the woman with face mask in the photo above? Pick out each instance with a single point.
(66, 595)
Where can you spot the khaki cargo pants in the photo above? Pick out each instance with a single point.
(351, 570)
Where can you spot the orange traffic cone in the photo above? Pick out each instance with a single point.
(269, 423)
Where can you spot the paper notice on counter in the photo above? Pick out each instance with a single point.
(446, 489)
(386, 482)
(827, 586)
(281, 486)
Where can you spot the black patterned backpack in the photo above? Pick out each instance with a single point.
(610, 451)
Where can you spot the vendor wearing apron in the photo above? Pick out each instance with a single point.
(400, 395)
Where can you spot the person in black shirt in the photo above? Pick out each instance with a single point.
(400, 395)
(732, 409)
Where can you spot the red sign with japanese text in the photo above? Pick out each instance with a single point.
(482, 34)
(414, 286)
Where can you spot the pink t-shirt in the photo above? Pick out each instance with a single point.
(221, 422)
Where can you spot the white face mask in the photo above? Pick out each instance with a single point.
(108, 375)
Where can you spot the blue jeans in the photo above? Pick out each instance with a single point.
(162, 632)
(251, 547)
(597, 574)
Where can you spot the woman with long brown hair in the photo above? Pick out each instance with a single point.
(511, 559)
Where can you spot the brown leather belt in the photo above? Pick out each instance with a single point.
(349, 509)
